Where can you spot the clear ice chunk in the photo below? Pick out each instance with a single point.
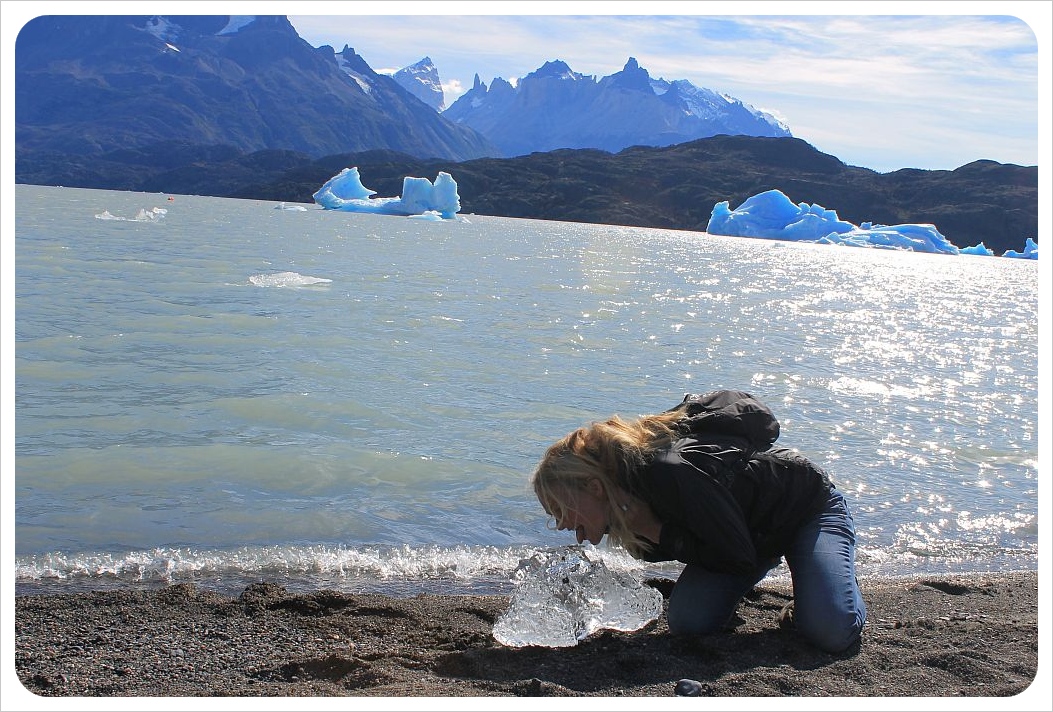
(562, 596)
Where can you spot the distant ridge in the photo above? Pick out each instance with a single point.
(665, 187)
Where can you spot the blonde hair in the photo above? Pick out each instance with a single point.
(614, 452)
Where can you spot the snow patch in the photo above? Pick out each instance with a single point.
(235, 23)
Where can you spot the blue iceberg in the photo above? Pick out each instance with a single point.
(774, 216)
(980, 249)
(1030, 251)
(420, 197)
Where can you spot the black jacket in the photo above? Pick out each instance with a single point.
(726, 497)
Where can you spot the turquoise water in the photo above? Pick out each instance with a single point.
(227, 391)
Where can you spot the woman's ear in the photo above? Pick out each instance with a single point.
(595, 487)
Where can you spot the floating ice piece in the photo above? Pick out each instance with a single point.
(432, 215)
(345, 192)
(1030, 251)
(290, 208)
(144, 215)
(286, 279)
(562, 596)
(979, 249)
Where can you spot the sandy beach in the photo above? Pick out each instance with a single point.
(943, 637)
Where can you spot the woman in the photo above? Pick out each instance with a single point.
(702, 484)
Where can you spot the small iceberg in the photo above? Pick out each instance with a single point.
(290, 208)
(420, 197)
(979, 249)
(1030, 251)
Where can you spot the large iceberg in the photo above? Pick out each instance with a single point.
(772, 215)
(420, 197)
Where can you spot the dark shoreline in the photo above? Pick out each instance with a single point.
(943, 636)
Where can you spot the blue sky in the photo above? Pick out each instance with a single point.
(877, 88)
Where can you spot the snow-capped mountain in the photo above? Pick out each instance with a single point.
(91, 84)
(87, 84)
(719, 109)
(555, 107)
(422, 81)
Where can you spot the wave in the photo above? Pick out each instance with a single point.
(408, 570)
(478, 569)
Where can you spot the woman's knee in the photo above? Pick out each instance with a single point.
(832, 633)
(688, 620)
(702, 602)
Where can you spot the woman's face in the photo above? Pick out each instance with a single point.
(585, 512)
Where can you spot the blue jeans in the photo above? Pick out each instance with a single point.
(828, 607)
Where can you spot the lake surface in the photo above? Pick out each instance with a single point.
(227, 392)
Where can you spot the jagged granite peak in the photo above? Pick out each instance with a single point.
(88, 84)
(632, 77)
(422, 81)
(555, 69)
(500, 87)
(555, 107)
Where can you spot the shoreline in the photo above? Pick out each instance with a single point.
(941, 636)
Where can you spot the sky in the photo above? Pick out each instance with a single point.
(882, 85)
(877, 89)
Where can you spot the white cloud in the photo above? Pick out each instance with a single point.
(452, 89)
(911, 80)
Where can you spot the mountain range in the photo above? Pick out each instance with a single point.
(92, 84)
(556, 107)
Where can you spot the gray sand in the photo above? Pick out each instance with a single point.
(937, 636)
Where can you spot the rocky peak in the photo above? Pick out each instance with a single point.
(555, 69)
(422, 81)
(632, 77)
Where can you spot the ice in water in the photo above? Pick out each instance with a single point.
(562, 596)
